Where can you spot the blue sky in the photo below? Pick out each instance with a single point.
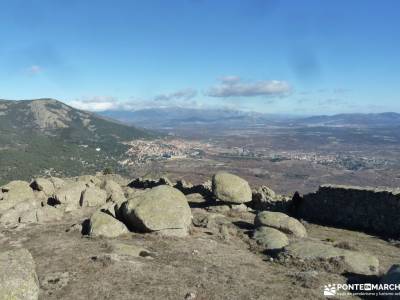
(296, 57)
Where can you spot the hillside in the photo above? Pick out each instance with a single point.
(38, 134)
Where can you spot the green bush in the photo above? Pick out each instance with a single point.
(107, 171)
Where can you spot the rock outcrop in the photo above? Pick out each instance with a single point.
(18, 279)
(316, 251)
(128, 250)
(231, 188)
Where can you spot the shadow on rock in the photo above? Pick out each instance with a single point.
(86, 227)
(244, 225)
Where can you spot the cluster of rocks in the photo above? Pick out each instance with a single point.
(19, 203)
(158, 206)
(162, 209)
(286, 236)
(146, 205)
(272, 229)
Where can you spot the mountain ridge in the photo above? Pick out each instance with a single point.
(47, 135)
(176, 116)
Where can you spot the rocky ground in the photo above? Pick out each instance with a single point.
(106, 237)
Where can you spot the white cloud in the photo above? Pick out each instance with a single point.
(97, 103)
(102, 103)
(93, 106)
(234, 86)
(185, 94)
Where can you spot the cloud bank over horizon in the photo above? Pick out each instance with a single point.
(234, 86)
(228, 88)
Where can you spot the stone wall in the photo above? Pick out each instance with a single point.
(375, 211)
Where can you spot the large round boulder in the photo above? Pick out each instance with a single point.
(270, 238)
(18, 279)
(231, 188)
(102, 224)
(281, 222)
(163, 209)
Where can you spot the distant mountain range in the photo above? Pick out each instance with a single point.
(161, 118)
(38, 134)
(387, 119)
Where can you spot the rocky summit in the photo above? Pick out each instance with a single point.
(104, 236)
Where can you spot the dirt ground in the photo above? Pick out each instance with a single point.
(211, 263)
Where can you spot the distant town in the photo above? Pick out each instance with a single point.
(141, 152)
